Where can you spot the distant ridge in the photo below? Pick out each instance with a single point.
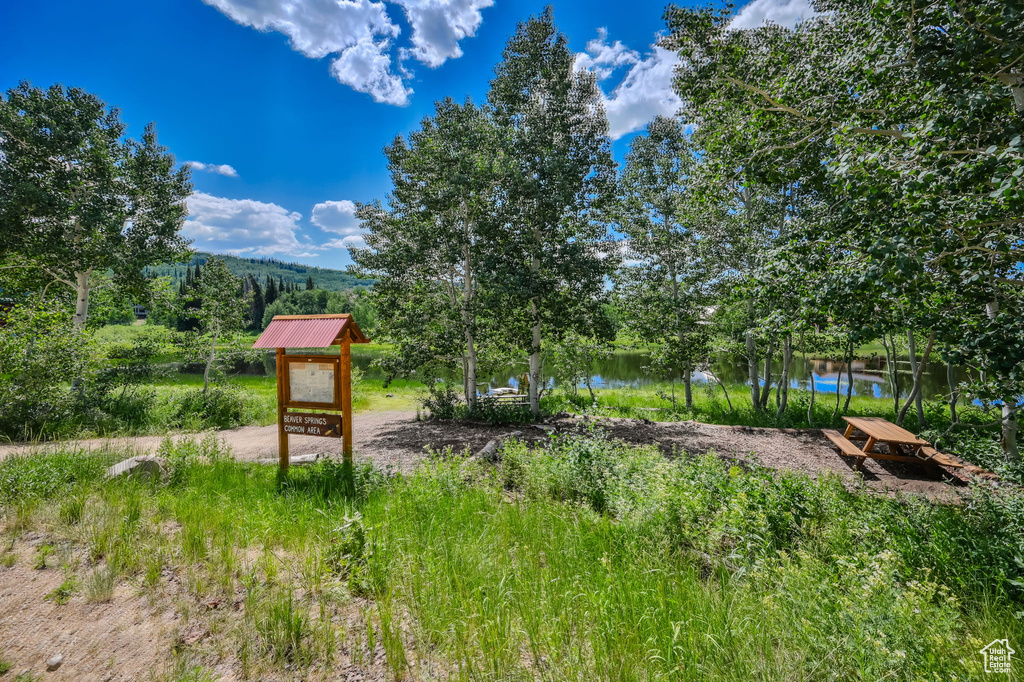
(323, 278)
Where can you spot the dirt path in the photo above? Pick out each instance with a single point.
(390, 439)
(395, 440)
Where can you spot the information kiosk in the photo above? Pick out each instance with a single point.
(313, 382)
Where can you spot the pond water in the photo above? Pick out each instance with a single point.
(626, 370)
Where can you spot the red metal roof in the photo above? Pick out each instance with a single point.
(310, 331)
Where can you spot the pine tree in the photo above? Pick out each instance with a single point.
(309, 283)
(259, 305)
(271, 293)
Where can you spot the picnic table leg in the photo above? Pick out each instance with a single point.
(870, 444)
(930, 465)
(849, 431)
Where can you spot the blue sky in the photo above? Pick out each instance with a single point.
(283, 108)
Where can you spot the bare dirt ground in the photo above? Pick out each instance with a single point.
(132, 636)
(123, 639)
(397, 441)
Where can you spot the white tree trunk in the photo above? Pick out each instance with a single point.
(849, 380)
(81, 298)
(767, 391)
(1009, 435)
(917, 380)
(470, 370)
(468, 323)
(752, 373)
(912, 350)
(535, 360)
(209, 361)
(954, 394)
(890, 367)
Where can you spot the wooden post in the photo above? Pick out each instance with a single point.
(282, 437)
(346, 401)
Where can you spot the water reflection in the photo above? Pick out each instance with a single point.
(626, 370)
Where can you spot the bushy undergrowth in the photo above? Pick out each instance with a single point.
(710, 406)
(584, 559)
(747, 517)
(220, 407)
(37, 477)
(443, 402)
(143, 411)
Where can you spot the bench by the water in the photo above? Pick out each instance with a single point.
(504, 395)
(515, 399)
(903, 446)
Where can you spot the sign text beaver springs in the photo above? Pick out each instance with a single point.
(306, 424)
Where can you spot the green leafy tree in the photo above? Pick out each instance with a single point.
(222, 313)
(906, 118)
(663, 290)
(78, 199)
(39, 350)
(553, 254)
(430, 250)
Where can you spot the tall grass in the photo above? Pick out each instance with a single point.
(583, 559)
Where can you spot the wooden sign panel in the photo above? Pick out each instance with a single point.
(312, 381)
(308, 424)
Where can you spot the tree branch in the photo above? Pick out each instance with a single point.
(782, 108)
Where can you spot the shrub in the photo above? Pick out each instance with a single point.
(220, 407)
(45, 475)
(496, 413)
(443, 402)
(40, 352)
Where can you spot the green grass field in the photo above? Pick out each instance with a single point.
(586, 559)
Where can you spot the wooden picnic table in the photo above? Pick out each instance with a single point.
(903, 446)
(516, 399)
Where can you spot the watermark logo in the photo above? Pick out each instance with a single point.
(997, 656)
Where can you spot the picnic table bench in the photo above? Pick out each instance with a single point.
(903, 446)
(515, 399)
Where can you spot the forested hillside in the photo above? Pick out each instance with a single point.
(261, 268)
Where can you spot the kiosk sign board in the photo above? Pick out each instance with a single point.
(307, 424)
(312, 381)
(310, 387)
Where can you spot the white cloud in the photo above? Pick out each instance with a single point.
(438, 26)
(603, 58)
(316, 28)
(355, 241)
(219, 169)
(336, 216)
(339, 217)
(644, 92)
(361, 34)
(366, 67)
(243, 226)
(783, 12)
